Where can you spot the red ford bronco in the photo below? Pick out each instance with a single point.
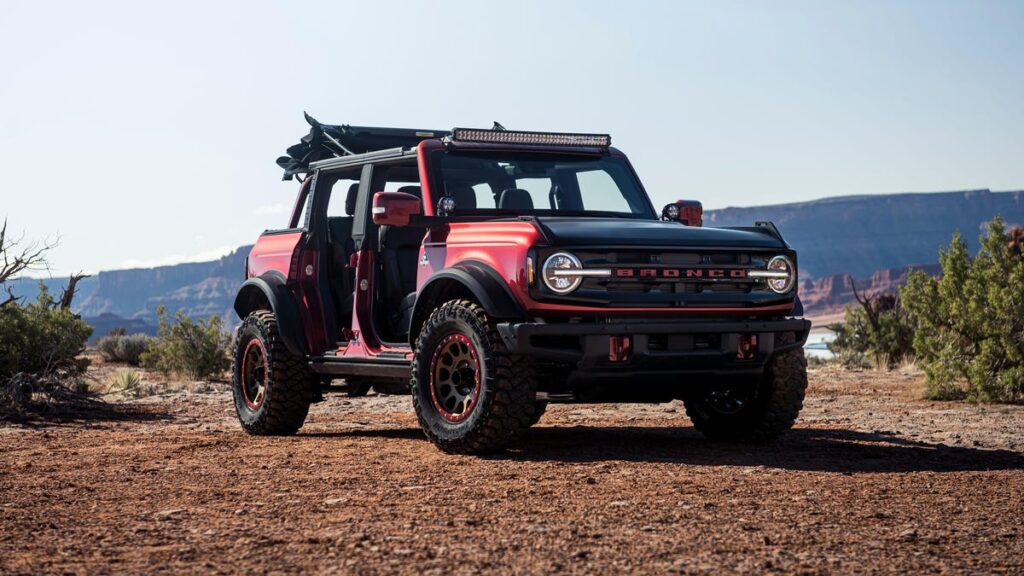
(490, 272)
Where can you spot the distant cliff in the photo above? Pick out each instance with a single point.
(857, 235)
(199, 289)
(831, 294)
(130, 298)
(836, 238)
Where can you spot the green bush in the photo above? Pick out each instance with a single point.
(970, 340)
(193, 349)
(878, 332)
(124, 348)
(41, 339)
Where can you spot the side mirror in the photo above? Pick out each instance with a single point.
(687, 212)
(395, 208)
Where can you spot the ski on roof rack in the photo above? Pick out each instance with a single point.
(334, 141)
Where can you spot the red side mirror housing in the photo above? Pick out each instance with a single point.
(395, 208)
(691, 212)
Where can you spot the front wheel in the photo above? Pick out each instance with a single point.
(272, 388)
(470, 394)
(758, 411)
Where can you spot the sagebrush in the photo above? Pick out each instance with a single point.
(193, 349)
(41, 337)
(120, 347)
(40, 342)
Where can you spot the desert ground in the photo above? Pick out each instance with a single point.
(872, 479)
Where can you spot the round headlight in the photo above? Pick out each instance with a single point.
(554, 273)
(781, 264)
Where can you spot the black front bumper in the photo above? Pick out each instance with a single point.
(655, 348)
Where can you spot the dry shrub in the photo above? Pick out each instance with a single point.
(193, 349)
(119, 347)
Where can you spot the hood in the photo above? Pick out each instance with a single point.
(582, 231)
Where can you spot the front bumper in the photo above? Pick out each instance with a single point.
(655, 347)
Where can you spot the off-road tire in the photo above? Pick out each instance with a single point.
(539, 408)
(290, 386)
(505, 404)
(776, 402)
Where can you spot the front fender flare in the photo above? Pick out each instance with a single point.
(798, 308)
(270, 291)
(482, 281)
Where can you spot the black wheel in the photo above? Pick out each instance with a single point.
(538, 410)
(272, 388)
(470, 394)
(757, 411)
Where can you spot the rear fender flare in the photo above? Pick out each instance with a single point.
(269, 291)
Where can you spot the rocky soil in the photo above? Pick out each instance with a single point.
(872, 480)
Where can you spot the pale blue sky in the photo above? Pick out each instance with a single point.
(144, 134)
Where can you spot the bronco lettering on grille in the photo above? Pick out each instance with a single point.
(698, 273)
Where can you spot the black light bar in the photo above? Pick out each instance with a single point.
(539, 138)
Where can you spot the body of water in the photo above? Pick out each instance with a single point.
(817, 344)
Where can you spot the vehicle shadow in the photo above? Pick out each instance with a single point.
(389, 433)
(802, 449)
(806, 449)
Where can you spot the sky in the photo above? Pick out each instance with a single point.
(140, 134)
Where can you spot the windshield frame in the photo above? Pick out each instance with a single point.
(437, 186)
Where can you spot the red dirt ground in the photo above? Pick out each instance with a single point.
(872, 480)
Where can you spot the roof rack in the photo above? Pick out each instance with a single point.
(326, 141)
(335, 141)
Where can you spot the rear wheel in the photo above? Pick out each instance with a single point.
(272, 388)
(470, 394)
(539, 408)
(757, 411)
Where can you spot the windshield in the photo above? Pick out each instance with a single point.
(541, 184)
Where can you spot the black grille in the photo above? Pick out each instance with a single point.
(652, 277)
(670, 260)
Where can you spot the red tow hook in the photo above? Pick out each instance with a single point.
(747, 346)
(618, 348)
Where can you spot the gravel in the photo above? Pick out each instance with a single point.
(871, 480)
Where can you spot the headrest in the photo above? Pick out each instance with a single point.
(350, 199)
(465, 197)
(414, 190)
(515, 199)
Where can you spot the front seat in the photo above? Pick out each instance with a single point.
(464, 196)
(399, 251)
(515, 199)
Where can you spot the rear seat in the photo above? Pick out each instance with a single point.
(342, 247)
